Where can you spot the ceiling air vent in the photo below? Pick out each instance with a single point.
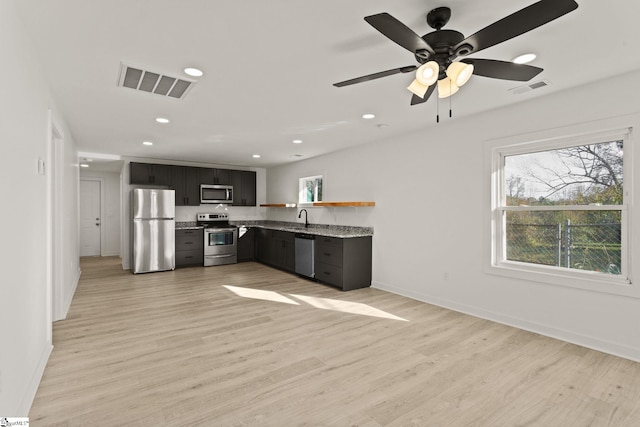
(529, 87)
(148, 81)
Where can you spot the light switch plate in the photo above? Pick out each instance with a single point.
(41, 169)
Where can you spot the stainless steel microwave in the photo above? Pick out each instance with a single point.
(210, 193)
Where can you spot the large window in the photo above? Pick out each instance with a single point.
(560, 208)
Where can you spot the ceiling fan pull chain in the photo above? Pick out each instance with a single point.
(450, 113)
(437, 109)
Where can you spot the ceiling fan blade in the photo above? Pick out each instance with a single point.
(415, 99)
(518, 23)
(373, 76)
(398, 32)
(502, 69)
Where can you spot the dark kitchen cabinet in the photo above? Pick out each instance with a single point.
(215, 176)
(150, 174)
(276, 248)
(345, 263)
(244, 188)
(186, 182)
(246, 244)
(189, 247)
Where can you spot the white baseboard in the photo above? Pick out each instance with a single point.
(594, 343)
(69, 296)
(34, 382)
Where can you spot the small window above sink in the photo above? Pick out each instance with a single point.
(310, 189)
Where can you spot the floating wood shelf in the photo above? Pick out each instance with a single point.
(319, 204)
(343, 204)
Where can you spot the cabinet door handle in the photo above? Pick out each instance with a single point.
(188, 243)
(189, 256)
(327, 273)
(326, 254)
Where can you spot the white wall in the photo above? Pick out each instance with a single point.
(24, 126)
(430, 228)
(187, 213)
(110, 222)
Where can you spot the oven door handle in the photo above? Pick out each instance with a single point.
(218, 256)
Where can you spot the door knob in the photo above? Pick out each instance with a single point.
(97, 223)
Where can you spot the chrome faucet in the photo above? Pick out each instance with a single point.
(306, 222)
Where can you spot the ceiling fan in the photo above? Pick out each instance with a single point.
(438, 52)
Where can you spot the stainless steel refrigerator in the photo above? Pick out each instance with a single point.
(153, 230)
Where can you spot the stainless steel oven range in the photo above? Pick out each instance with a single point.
(220, 239)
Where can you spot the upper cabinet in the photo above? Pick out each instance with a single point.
(215, 176)
(244, 188)
(186, 180)
(150, 174)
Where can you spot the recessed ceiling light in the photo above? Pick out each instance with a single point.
(523, 59)
(256, 156)
(193, 72)
(368, 116)
(162, 120)
(89, 160)
(147, 143)
(84, 165)
(297, 141)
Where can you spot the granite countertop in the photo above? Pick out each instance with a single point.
(340, 231)
(187, 225)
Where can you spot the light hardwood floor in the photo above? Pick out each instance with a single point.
(247, 345)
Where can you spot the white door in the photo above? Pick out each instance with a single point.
(90, 218)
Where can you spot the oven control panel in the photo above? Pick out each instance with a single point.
(213, 216)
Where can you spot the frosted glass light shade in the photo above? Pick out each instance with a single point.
(459, 72)
(418, 88)
(446, 88)
(426, 75)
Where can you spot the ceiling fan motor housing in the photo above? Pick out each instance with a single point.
(442, 42)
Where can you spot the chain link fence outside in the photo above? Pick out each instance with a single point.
(593, 247)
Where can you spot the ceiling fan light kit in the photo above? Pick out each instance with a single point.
(447, 49)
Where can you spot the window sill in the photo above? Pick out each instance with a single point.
(585, 280)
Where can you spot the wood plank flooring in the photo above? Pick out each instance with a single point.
(247, 345)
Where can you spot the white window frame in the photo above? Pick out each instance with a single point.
(302, 187)
(495, 153)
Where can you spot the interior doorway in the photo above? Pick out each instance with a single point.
(90, 217)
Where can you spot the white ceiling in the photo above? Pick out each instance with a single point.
(269, 68)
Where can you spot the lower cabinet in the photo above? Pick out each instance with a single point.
(189, 247)
(341, 262)
(246, 244)
(276, 248)
(345, 263)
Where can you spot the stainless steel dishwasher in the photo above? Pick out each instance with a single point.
(305, 247)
